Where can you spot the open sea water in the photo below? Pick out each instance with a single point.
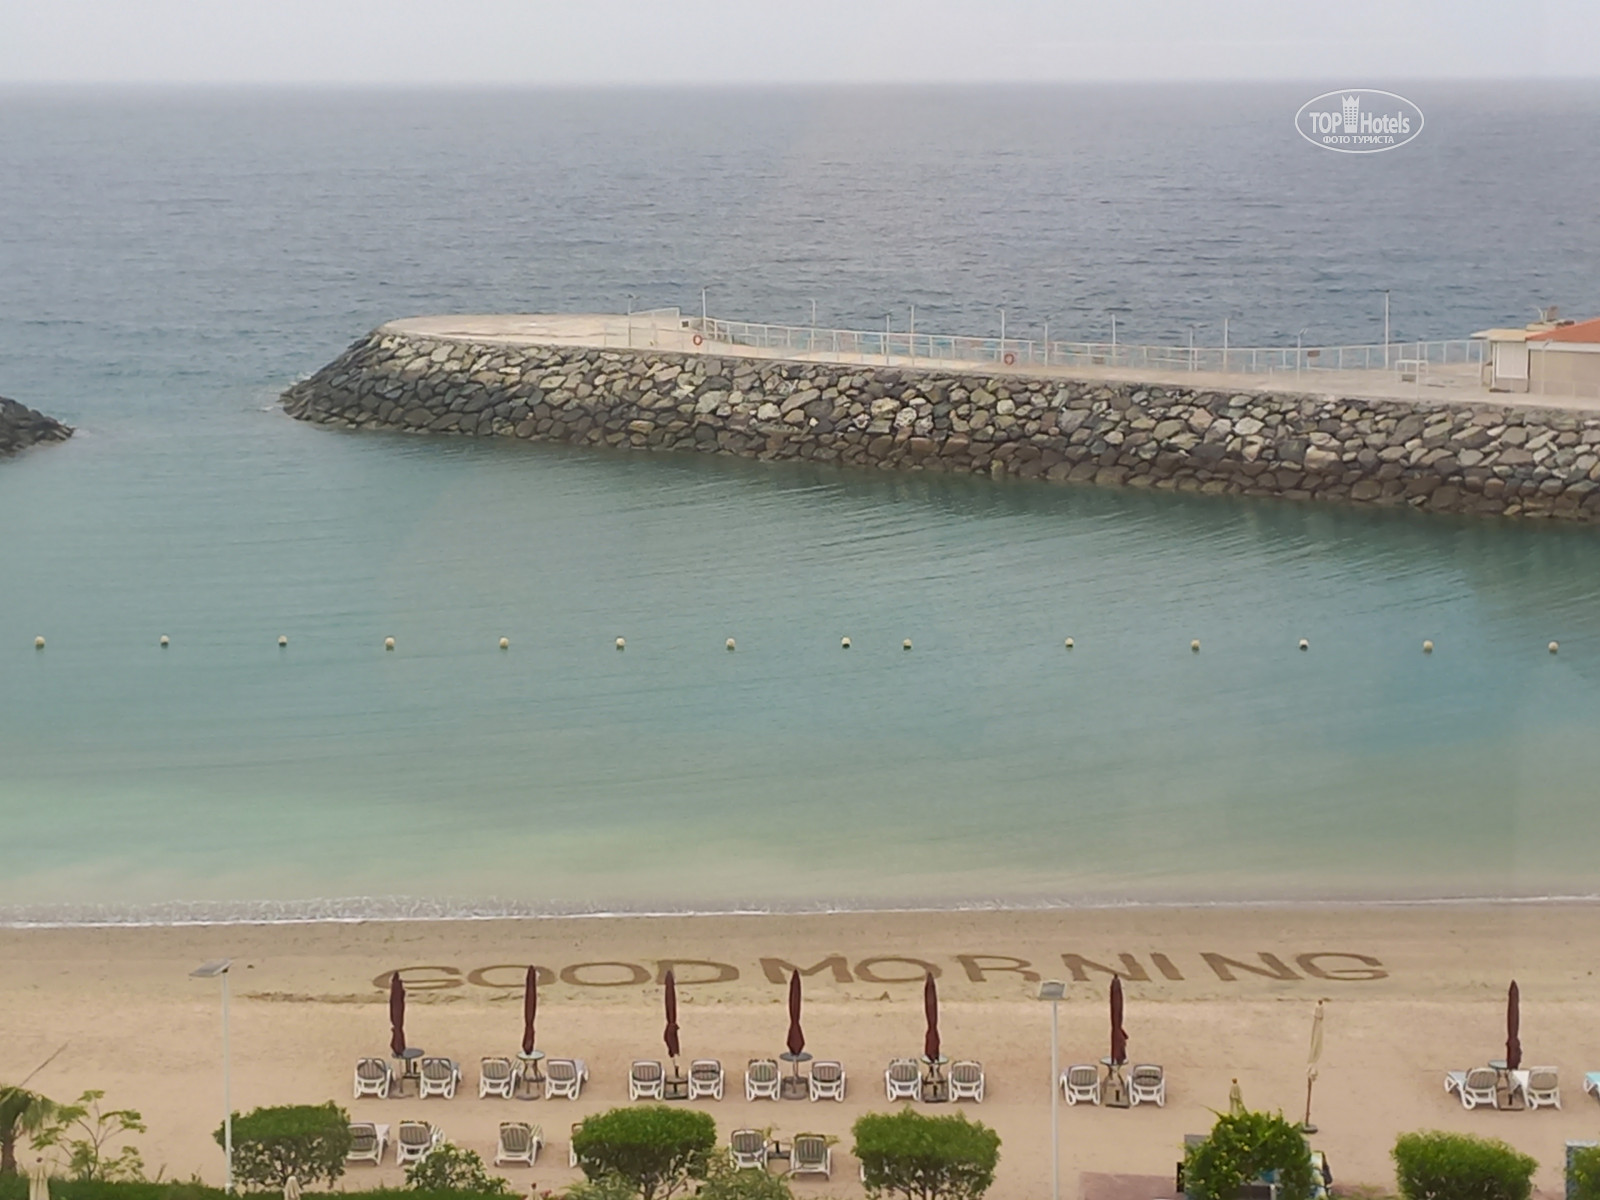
(169, 261)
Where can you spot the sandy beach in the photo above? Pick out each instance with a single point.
(1213, 994)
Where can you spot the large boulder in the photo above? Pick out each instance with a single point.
(21, 427)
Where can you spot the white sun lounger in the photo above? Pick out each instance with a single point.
(810, 1154)
(761, 1079)
(749, 1149)
(374, 1077)
(1475, 1087)
(966, 1081)
(827, 1080)
(367, 1142)
(519, 1143)
(646, 1080)
(414, 1141)
(903, 1079)
(498, 1077)
(1080, 1084)
(705, 1079)
(1147, 1084)
(438, 1077)
(1591, 1084)
(564, 1078)
(1541, 1087)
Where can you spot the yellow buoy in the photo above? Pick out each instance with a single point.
(1069, 643)
(388, 643)
(1427, 647)
(1195, 645)
(163, 639)
(1304, 645)
(38, 643)
(844, 643)
(282, 641)
(1554, 646)
(906, 645)
(621, 644)
(505, 643)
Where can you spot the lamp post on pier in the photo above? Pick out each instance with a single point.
(1054, 990)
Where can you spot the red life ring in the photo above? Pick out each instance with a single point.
(1010, 359)
(698, 340)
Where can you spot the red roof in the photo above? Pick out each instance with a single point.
(1583, 331)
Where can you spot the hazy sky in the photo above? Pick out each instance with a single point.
(1347, 42)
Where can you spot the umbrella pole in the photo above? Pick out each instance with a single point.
(1306, 1126)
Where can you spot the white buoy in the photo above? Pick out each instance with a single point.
(906, 645)
(38, 643)
(1195, 645)
(729, 644)
(163, 639)
(388, 643)
(1304, 645)
(622, 644)
(1554, 646)
(505, 643)
(1069, 643)
(282, 641)
(1427, 647)
(844, 643)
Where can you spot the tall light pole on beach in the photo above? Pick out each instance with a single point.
(211, 970)
(1299, 340)
(1385, 329)
(1054, 990)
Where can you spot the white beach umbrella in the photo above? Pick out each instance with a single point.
(39, 1181)
(1312, 1060)
(291, 1188)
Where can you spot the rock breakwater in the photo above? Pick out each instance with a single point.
(1462, 458)
(21, 427)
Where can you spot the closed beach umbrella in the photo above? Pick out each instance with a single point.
(1312, 1059)
(797, 1037)
(1513, 1028)
(397, 1015)
(930, 1005)
(670, 1033)
(1119, 1036)
(530, 1008)
(39, 1181)
(291, 1188)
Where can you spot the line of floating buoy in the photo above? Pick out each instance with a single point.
(1554, 646)
(163, 639)
(1427, 647)
(844, 643)
(38, 643)
(505, 643)
(388, 643)
(282, 641)
(622, 644)
(1069, 643)
(1195, 645)
(906, 644)
(729, 644)
(1304, 645)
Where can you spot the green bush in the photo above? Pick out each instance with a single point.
(98, 1189)
(1243, 1147)
(307, 1141)
(452, 1169)
(724, 1181)
(655, 1149)
(926, 1158)
(1583, 1174)
(89, 1153)
(1458, 1166)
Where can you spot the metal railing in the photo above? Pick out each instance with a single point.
(911, 348)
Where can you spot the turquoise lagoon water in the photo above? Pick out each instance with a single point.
(174, 260)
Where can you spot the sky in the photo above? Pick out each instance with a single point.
(622, 42)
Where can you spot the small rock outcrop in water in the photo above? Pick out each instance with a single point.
(21, 427)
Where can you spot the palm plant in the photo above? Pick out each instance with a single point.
(21, 1112)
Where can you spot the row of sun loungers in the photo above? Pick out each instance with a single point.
(1147, 1084)
(763, 1080)
(1539, 1087)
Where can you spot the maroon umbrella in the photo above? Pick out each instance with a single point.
(530, 1008)
(930, 1005)
(1513, 1028)
(670, 1034)
(1119, 1036)
(797, 1037)
(397, 1015)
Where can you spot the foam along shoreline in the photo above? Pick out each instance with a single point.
(1213, 994)
(21, 427)
(466, 375)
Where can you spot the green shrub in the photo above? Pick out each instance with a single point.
(308, 1141)
(1583, 1174)
(1458, 1166)
(452, 1169)
(99, 1189)
(724, 1181)
(926, 1158)
(655, 1149)
(89, 1153)
(1243, 1147)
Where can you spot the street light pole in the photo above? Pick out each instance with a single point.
(211, 970)
(1053, 990)
(1385, 329)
